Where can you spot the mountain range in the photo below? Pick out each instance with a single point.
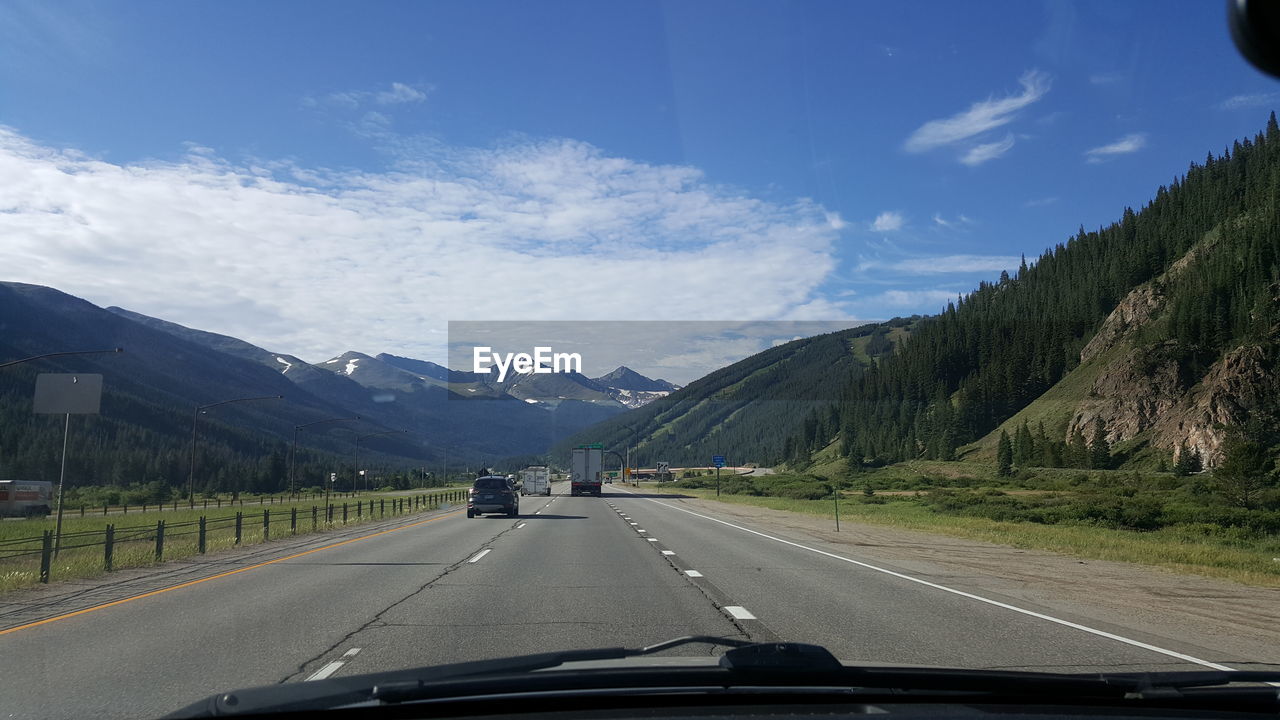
(412, 413)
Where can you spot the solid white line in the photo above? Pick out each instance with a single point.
(521, 525)
(738, 612)
(668, 552)
(481, 554)
(693, 573)
(326, 671)
(961, 593)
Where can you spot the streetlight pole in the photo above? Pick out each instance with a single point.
(293, 452)
(355, 478)
(60, 354)
(191, 474)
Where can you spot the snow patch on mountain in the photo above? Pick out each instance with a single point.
(287, 364)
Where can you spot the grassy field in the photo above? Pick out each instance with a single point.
(82, 553)
(1177, 549)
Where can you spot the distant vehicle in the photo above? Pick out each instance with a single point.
(25, 498)
(491, 494)
(535, 480)
(586, 471)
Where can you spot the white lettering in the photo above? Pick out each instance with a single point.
(542, 361)
(572, 362)
(540, 358)
(502, 366)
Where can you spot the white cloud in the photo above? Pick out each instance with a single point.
(888, 221)
(979, 154)
(314, 262)
(835, 221)
(396, 94)
(941, 265)
(399, 93)
(980, 117)
(924, 300)
(1254, 100)
(1128, 144)
(960, 221)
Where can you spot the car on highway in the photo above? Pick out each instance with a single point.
(493, 494)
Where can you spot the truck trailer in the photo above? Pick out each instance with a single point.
(535, 480)
(25, 498)
(587, 469)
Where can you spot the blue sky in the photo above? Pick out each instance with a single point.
(316, 177)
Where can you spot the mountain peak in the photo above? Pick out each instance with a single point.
(624, 378)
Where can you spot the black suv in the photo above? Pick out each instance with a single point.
(493, 493)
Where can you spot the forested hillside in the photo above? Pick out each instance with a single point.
(744, 411)
(1190, 283)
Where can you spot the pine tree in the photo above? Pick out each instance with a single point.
(1024, 449)
(1004, 456)
(1099, 449)
(1077, 454)
(1182, 463)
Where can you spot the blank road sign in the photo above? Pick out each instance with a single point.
(68, 393)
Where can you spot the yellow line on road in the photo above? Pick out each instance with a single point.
(179, 586)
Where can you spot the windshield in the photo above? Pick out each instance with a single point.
(933, 333)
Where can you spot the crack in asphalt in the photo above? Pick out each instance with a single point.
(376, 619)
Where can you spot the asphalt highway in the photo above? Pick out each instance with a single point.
(570, 572)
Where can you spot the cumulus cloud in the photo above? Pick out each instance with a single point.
(979, 154)
(314, 261)
(888, 221)
(1128, 144)
(980, 117)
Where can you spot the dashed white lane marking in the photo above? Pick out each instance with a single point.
(332, 667)
(639, 530)
(738, 612)
(480, 554)
(668, 552)
(693, 573)
(652, 539)
(521, 525)
(1023, 611)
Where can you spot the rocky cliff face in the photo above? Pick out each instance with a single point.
(1143, 389)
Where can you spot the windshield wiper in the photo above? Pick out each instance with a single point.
(746, 665)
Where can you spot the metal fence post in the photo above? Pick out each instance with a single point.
(46, 555)
(293, 521)
(108, 547)
(202, 535)
(266, 525)
(239, 520)
(159, 540)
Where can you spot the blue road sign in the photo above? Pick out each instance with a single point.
(718, 461)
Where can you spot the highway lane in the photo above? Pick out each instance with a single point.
(805, 590)
(569, 573)
(255, 627)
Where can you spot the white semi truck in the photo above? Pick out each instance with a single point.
(587, 470)
(535, 480)
(25, 498)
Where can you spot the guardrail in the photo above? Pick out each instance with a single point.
(150, 543)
